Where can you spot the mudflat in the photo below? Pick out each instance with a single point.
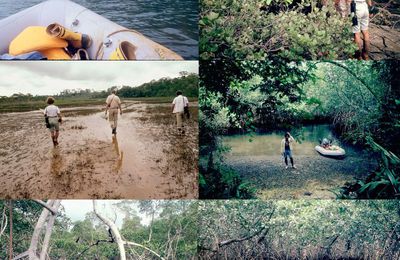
(148, 159)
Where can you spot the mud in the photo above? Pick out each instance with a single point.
(148, 159)
(316, 177)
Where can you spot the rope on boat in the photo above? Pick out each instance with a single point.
(100, 49)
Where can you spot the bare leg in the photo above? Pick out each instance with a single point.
(365, 50)
(57, 133)
(53, 137)
(358, 41)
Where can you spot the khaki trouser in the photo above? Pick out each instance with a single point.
(179, 119)
(113, 117)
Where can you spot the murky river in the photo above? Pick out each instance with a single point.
(172, 23)
(269, 144)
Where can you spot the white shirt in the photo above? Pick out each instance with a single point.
(51, 111)
(180, 103)
(113, 101)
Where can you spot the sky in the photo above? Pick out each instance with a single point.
(77, 210)
(51, 77)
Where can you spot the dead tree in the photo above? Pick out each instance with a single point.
(117, 236)
(44, 221)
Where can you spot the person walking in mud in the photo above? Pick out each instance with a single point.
(359, 9)
(53, 119)
(179, 104)
(286, 149)
(113, 103)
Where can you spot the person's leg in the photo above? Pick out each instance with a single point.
(53, 136)
(56, 134)
(115, 121)
(291, 161)
(285, 155)
(364, 23)
(179, 121)
(366, 47)
(358, 41)
(111, 120)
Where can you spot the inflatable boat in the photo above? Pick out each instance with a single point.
(106, 35)
(332, 151)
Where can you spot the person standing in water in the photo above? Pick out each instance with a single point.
(178, 107)
(286, 149)
(53, 119)
(113, 103)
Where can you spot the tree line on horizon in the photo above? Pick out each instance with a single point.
(164, 87)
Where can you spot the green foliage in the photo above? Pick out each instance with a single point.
(243, 97)
(299, 229)
(256, 30)
(172, 232)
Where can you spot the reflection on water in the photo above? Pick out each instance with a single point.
(119, 153)
(172, 23)
(56, 162)
(269, 144)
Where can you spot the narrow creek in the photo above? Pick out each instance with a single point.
(258, 160)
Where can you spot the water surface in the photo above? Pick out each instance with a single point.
(269, 144)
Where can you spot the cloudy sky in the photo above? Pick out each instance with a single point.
(51, 77)
(77, 210)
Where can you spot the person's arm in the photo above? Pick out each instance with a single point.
(369, 2)
(173, 105)
(59, 115)
(282, 145)
(291, 139)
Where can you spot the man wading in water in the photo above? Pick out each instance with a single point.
(53, 119)
(178, 108)
(113, 103)
(360, 12)
(286, 149)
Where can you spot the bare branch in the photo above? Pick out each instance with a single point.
(47, 206)
(142, 246)
(114, 230)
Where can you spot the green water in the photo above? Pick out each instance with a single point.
(269, 144)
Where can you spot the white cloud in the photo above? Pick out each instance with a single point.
(51, 77)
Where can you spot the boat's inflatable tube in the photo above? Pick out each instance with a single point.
(333, 151)
(35, 38)
(106, 35)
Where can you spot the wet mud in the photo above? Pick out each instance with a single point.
(316, 177)
(148, 159)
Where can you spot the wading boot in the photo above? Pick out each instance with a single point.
(77, 40)
(125, 51)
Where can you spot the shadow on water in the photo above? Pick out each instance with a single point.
(56, 162)
(119, 153)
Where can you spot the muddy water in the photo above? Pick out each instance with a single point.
(147, 159)
(257, 159)
(269, 144)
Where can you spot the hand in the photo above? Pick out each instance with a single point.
(120, 113)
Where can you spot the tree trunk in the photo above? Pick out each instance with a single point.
(11, 230)
(49, 229)
(114, 230)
